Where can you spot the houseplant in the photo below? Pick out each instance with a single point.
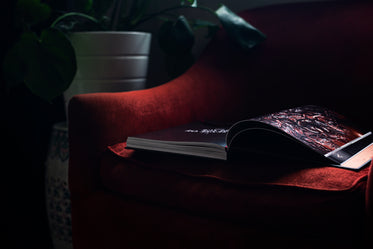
(44, 59)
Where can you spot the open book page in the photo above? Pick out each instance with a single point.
(323, 130)
(198, 139)
(194, 133)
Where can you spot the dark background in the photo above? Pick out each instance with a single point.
(26, 123)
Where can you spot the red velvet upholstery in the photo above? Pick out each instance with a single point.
(315, 53)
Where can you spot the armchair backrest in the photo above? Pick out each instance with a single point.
(315, 53)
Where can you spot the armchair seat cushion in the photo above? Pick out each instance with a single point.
(328, 200)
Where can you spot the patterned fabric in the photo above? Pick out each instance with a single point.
(57, 191)
(321, 129)
(59, 209)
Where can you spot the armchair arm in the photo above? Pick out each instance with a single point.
(101, 119)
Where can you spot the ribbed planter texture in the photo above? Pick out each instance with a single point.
(109, 61)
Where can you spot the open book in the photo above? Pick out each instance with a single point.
(309, 132)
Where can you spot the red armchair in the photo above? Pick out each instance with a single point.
(315, 53)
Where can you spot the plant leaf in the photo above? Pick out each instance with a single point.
(212, 28)
(101, 7)
(139, 9)
(193, 3)
(33, 11)
(177, 65)
(176, 38)
(85, 6)
(53, 72)
(14, 67)
(76, 21)
(46, 65)
(243, 33)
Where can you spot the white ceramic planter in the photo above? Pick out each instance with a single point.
(109, 62)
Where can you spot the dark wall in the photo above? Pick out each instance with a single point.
(26, 123)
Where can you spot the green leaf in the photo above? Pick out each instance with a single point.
(52, 72)
(46, 65)
(239, 30)
(85, 6)
(212, 28)
(101, 7)
(178, 64)
(76, 21)
(14, 67)
(176, 38)
(192, 3)
(33, 11)
(138, 10)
